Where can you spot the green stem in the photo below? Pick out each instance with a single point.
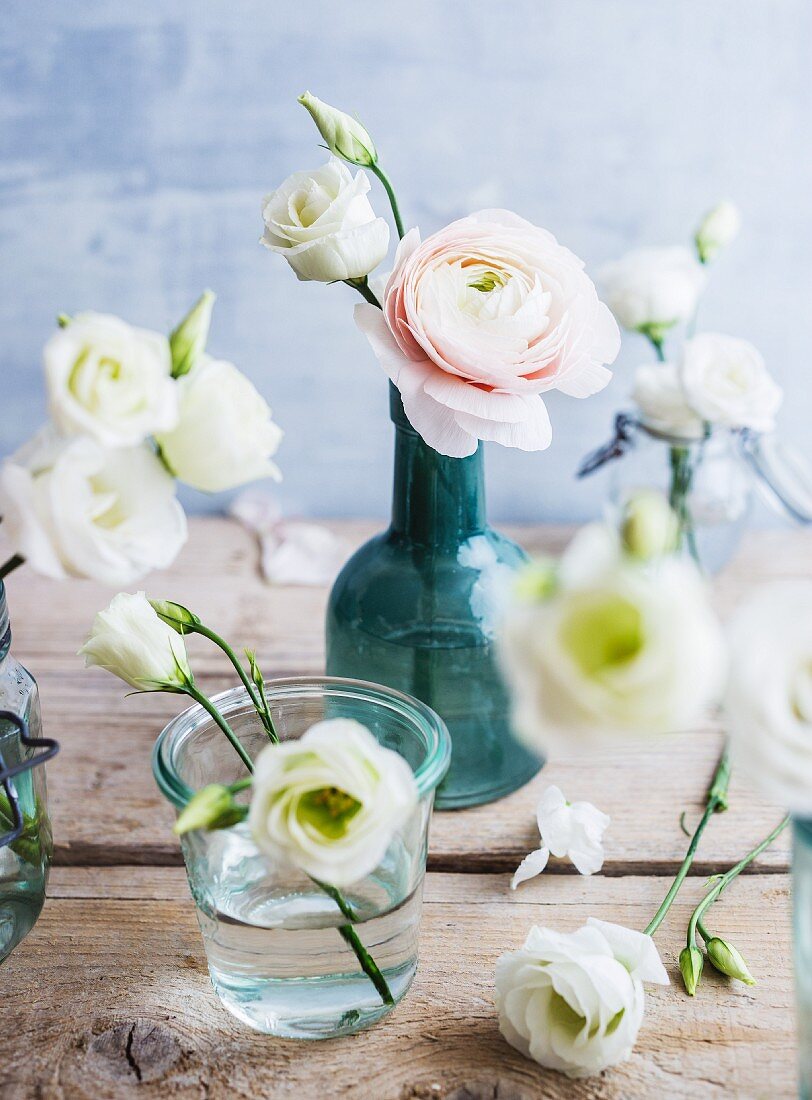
(390, 193)
(363, 288)
(192, 691)
(368, 964)
(725, 880)
(259, 704)
(716, 802)
(14, 562)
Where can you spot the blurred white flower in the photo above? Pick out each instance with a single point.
(225, 435)
(610, 645)
(717, 230)
(331, 802)
(574, 830)
(726, 382)
(323, 224)
(110, 381)
(574, 1001)
(768, 705)
(344, 135)
(660, 397)
(70, 507)
(131, 641)
(652, 289)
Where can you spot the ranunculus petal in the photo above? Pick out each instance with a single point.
(535, 433)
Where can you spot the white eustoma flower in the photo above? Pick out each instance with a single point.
(611, 645)
(768, 704)
(344, 135)
(331, 802)
(72, 508)
(574, 1001)
(726, 382)
(660, 397)
(717, 230)
(225, 435)
(653, 288)
(110, 381)
(571, 829)
(131, 641)
(323, 224)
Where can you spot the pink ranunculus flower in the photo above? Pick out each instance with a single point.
(478, 321)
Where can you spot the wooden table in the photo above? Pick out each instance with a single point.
(109, 995)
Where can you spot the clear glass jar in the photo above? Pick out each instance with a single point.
(802, 921)
(24, 863)
(276, 956)
(707, 482)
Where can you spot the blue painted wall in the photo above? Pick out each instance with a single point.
(136, 141)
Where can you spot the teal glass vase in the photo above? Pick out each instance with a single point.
(416, 608)
(802, 938)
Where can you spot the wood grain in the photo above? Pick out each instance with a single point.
(109, 997)
(106, 808)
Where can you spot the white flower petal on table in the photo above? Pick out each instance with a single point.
(530, 866)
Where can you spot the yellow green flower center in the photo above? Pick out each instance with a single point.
(487, 281)
(602, 632)
(329, 810)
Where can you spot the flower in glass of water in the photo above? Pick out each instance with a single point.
(726, 382)
(330, 802)
(660, 396)
(574, 1001)
(571, 829)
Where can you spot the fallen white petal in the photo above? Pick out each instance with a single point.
(530, 866)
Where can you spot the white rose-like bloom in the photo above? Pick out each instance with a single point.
(131, 641)
(323, 224)
(72, 508)
(611, 645)
(225, 435)
(574, 1001)
(768, 704)
(726, 382)
(110, 381)
(717, 230)
(478, 321)
(571, 829)
(653, 288)
(331, 802)
(660, 397)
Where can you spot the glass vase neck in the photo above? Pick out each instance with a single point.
(437, 501)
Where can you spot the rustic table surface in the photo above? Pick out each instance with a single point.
(109, 995)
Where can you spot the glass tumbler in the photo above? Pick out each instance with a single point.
(276, 955)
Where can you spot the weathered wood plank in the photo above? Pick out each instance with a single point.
(106, 808)
(109, 997)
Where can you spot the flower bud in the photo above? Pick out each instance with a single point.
(717, 229)
(728, 960)
(650, 528)
(344, 135)
(188, 341)
(213, 807)
(690, 964)
(175, 615)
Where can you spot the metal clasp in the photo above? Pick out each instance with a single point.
(7, 772)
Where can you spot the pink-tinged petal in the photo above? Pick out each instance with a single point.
(437, 425)
(530, 866)
(584, 381)
(463, 396)
(407, 374)
(606, 341)
(533, 434)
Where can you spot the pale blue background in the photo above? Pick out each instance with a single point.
(137, 139)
